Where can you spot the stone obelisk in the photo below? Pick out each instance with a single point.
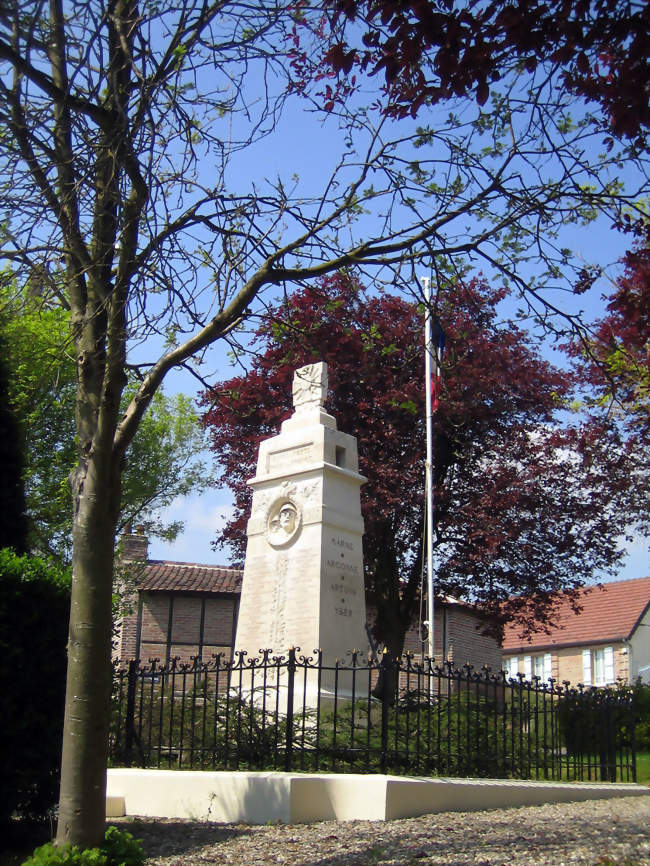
(303, 577)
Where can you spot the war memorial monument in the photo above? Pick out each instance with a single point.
(303, 576)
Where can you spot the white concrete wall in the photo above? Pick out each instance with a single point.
(258, 797)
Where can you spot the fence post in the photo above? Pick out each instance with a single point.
(608, 739)
(632, 715)
(129, 720)
(291, 672)
(385, 703)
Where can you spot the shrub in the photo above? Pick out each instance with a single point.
(119, 849)
(598, 724)
(122, 849)
(641, 693)
(34, 612)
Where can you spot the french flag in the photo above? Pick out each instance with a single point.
(436, 349)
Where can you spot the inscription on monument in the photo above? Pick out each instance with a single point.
(337, 570)
(287, 457)
(340, 588)
(344, 567)
(342, 542)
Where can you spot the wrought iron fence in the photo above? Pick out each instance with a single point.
(296, 713)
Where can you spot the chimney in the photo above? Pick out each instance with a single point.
(134, 546)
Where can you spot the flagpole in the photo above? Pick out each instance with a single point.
(426, 285)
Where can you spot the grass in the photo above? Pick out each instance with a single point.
(643, 768)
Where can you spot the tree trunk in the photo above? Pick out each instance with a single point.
(394, 602)
(82, 805)
(393, 639)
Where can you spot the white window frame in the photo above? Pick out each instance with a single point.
(603, 666)
(539, 665)
(511, 667)
(598, 666)
(543, 667)
(528, 668)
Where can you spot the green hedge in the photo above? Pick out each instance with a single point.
(641, 693)
(34, 613)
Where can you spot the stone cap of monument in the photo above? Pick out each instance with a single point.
(309, 440)
(309, 394)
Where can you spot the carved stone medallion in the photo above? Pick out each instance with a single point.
(283, 522)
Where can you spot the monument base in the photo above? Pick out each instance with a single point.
(279, 689)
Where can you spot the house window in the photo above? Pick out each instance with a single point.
(538, 666)
(598, 666)
(511, 667)
(543, 667)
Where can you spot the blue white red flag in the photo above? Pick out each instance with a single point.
(437, 348)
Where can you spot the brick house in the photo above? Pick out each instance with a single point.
(458, 636)
(181, 609)
(606, 642)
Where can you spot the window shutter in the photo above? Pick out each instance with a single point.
(548, 667)
(609, 664)
(528, 667)
(586, 667)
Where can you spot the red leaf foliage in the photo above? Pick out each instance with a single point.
(616, 362)
(600, 45)
(519, 507)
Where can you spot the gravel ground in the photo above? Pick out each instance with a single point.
(597, 833)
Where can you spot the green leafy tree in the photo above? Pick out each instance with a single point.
(162, 463)
(13, 516)
(133, 163)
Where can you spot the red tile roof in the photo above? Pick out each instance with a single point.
(610, 612)
(162, 576)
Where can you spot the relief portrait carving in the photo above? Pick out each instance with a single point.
(283, 523)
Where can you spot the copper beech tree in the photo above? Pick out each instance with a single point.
(529, 499)
(614, 366)
(427, 51)
(144, 174)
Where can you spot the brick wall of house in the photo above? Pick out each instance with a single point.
(457, 639)
(566, 662)
(184, 626)
(125, 645)
(154, 617)
(414, 643)
(466, 643)
(220, 621)
(126, 629)
(569, 663)
(533, 653)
